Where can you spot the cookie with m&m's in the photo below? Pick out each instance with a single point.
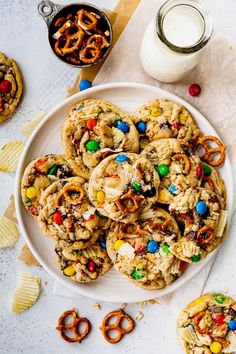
(208, 325)
(84, 265)
(38, 175)
(67, 216)
(161, 118)
(177, 164)
(93, 129)
(11, 87)
(140, 250)
(212, 180)
(202, 215)
(123, 185)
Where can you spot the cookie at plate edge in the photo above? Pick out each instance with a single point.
(84, 265)
(161, 118)
(67, 216)
(38, 175)
(202, 216)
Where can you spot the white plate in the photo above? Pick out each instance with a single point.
(46, 139)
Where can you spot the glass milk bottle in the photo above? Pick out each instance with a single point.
(173, 42)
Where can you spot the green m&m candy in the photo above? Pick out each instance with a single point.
(93, 145)
(137, 274)
(220, 298)
(52, 171)
(100, 214)
(196, 258)
(162, 170)
(165, 248)
(136, 186)
(27, 202)
(207, 170)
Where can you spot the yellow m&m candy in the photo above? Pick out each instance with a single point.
(69, 271)
(198, 301)
(155, 112)
(31, 192)
(216, 347)
(118, 244)
(101, 196)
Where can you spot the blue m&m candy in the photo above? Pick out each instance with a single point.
(201, 207)
(103, 243)
(121, 158)
(152, 246)
(173, 189)
(124, 127)
(232, 325)
(84, 84)
(141, 127)
(79, 108)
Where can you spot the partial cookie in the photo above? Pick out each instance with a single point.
(38, 175)
(11, 87)
(94, 129)
(141, 250)
(203, 217)
(161, 118)
(84, 265)
(208, 325)
(123, 185)
(212, 180)
(67, 216)
(177, 164)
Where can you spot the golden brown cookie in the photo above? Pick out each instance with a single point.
(11, 87)
(208, 325)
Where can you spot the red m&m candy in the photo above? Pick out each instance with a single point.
(218, 318)
(91, 266)
(5, 86)
(57, 218)
(91, 123)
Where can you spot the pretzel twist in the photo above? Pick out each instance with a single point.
(117, 326)
(64, 193)
(208, 231)
(162, 226)
(129, 196)
(136, 233)
(62, 327)
(209, 180)
(91, 53)
(86, 20)
(209, 151)
(99, 40)
(187, 163)
(196, 321)
(223, 341)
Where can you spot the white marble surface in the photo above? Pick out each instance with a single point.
(23, 36)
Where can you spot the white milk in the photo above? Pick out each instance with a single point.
(183, 27)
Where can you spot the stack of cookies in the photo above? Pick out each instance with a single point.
(138, 192)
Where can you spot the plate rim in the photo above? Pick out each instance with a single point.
(80, 290)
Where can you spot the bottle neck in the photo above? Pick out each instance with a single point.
(183, 27)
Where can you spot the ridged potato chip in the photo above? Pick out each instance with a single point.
(188, 334)
(231, 337)
(189, 249)
(9, 233)
(26, 294)
(9, 155)
(28, 128)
